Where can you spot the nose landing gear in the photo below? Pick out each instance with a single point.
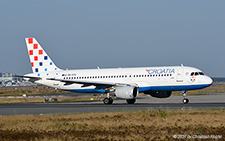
(185, 100)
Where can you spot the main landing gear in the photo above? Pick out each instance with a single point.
(131, 101)
(185, 100)
(108, 100)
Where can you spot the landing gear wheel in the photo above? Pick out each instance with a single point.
(111, 100)
(131, 101)
(108, 101)
(185, 100)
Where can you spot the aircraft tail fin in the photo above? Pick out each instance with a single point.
(40, 61)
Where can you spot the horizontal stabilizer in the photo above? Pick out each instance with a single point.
(30, 77)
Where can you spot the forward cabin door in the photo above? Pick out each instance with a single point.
(180, 75)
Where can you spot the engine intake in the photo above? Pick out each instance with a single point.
(126, 92)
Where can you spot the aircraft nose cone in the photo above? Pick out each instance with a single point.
(209, 81)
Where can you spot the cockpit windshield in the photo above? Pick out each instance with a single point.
(201, 73)
(197, 73)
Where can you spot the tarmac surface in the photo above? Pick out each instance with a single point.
(212, 101)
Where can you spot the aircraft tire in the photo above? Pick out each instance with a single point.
(107, 101)
(185, 100)
(131, 101)
(111, 100)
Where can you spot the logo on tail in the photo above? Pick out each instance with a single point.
(40, 61)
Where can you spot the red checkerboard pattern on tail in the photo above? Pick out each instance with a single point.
(40, 61)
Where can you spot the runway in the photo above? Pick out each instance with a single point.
(213, 101)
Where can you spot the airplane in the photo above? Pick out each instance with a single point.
(123, 83)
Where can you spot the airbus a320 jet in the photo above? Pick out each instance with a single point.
(123, 83)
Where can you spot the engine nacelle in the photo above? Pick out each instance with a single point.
(159, 94)
(126, 92)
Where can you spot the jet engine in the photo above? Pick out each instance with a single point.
(159, 94)
(126, 92)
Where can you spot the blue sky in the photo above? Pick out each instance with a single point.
(127, 33)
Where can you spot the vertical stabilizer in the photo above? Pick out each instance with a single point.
(40, 61)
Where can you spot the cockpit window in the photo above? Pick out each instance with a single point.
(201, 73)
(197, 73)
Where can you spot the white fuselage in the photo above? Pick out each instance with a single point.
(174, 78)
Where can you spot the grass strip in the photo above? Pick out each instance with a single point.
(137, 125)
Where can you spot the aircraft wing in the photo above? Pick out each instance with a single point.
(99, 85)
